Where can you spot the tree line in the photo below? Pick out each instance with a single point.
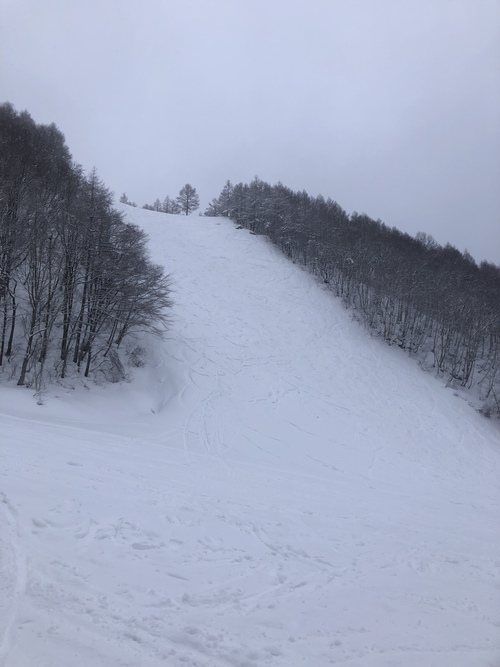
(431, 300)
(186, 202)
(75, 278)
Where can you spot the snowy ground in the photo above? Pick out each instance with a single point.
(276, 488)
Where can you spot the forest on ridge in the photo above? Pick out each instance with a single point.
(432, 301)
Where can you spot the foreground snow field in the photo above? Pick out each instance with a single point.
(274, 488)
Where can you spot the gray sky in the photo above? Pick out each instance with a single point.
(390, 107)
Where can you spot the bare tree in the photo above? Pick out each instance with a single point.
(75, 278)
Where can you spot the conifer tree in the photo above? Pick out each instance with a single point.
(188, 199)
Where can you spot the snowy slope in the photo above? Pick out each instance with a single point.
(274, 488)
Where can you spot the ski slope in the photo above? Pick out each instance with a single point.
(274, 488)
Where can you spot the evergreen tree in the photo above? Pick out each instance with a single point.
(188, 199)
(170, 205)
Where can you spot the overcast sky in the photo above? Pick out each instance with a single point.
(390, 107)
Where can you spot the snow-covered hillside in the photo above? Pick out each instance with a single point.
(275, 488)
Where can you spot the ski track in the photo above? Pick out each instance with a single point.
(274, 488)
(13, 577)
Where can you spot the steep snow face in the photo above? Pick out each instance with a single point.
(274, 488)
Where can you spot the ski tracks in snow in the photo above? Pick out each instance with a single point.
(13, 577)
(289, 502)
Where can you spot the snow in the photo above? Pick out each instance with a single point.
(275, 487)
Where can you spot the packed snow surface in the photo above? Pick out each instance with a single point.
(274, 488)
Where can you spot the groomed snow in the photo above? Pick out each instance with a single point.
(274, 488)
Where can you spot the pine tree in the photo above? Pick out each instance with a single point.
(188, 199)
